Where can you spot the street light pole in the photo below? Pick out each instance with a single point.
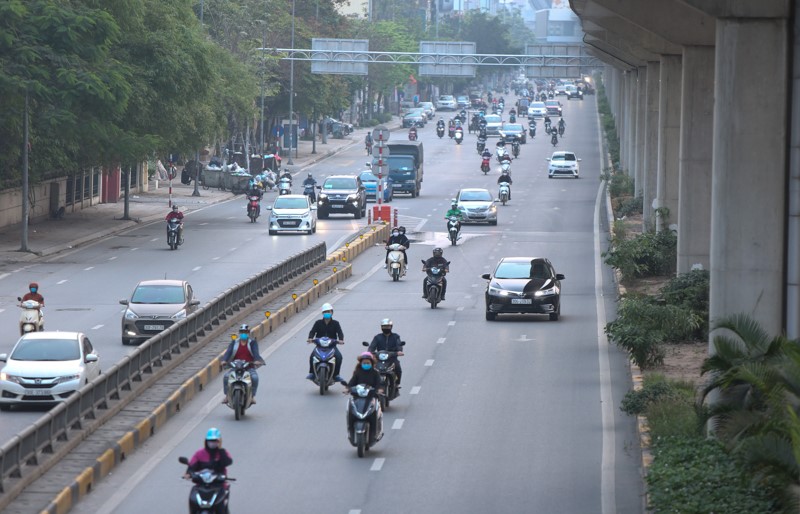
(291, 93)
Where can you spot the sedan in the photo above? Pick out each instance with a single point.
(463, 102)
(477, 205)
(428, 108)
(415, 118)
(292, 213)
(446, 103)
(553, 107)
(563, 163)
(523, 285)
(493, 124)
(514, 130)
(370, 181)
(46, 368)
(537, 110)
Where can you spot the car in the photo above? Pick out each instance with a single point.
(511, 130)
(415, 118)
(561, 90)
(553, 107)
(537, 110)
(46, 367)
(370, 181)
(493, 124)
(523, 285)
(428, 109)
(342, 194)
(462, 102)
(574, 92)
(563, 163)
(154, 306)
(446, 103)
(476, 206)
(406, 106)
(292, 213)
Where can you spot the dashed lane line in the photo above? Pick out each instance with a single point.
(378, 464)
(61, 282)
(429, 362)
(96, 327)
(196, 268)
(90, 268)
(451, 323)
(441, 340)
(415, 390)
(398, 424)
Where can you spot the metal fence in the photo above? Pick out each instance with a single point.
(42, 437)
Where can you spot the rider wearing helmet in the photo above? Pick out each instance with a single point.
(438, 261)
(211, 456)
(330, 328)
(505, 177)
(178, 215)
(388, 341)
(33, 294)
(311, 181)
(243, 348)
(454, 211)
(365, 373)
(397, 237)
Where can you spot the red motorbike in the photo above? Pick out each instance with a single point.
(485, 165)
(253, 208)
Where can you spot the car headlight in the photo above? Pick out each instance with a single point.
(545, 292)
(67, 378)
(180, 314)
(10, 378)
(493, 207)
(352, 198)
(323, 196)
(496, 291)
(129, 314)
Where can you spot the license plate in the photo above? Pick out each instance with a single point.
(38, 392)
(154, 327)
(524, 301)
(337, 206)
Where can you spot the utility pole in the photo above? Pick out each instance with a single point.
(291, 94)
(25, 214)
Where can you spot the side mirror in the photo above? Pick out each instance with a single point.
(364, 343)
(90, 357)
(19, 298)
(3, 357)
(559, 276)
(548, 159)
(124, 302)
(183, 460)
(579, 160)
(269, 207)
(402, 343)
(486, 276)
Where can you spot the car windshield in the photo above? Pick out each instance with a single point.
(492, 118)
(339, 183)
(525, 270)
(368, 177)
(564, 157)
(47, 350)
(290, 203)
(538, 105)
(476, 196)
(426, 105)
(404, 163)
(166, 294)
(445, 98)
(552, 103)
(510, 127)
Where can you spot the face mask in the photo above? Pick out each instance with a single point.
(327, 315)
(366, 366)
(395, 234)
(244, 337)
(386, 331)
(33, 290)
(212, 445)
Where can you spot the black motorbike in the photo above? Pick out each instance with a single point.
(210, 493)
(515, 148)
(440, 131)
(323, 360)
(561, 131)
(481, 144)
(554, 139)
(433, 284)
(240, 386)
(173, 234)
(310, 190)
(453, 229)
(386, 365)
(364, 418)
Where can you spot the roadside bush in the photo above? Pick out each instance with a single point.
(620, 184)
(630, 206)
(371, 122)
(383, 117)
(619, 229)
(693, 475)
(648, 254)
(690, 291)
(655, 388)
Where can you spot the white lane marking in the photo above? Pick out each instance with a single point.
(474, 285)
(467, 296)
(429, 362)
(441, 340)
(231, 217)
(415, 390)
(215, 258)
(460, 309)
(154, 240)
(398, 424)
(2, 310)
(355, 511)
(97, 327)
(134, 249)
(378, 464)
(89, 268)
(234, 249)
(4, 275)
(112, 258)
(451, 323)
(206, 223)
(196, 268)
(61, 281)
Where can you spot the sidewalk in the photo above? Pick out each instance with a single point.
(49, 236)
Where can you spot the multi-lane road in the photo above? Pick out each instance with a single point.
(518, 415)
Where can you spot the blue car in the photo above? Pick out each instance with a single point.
(370, 181)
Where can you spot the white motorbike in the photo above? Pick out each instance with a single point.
(505, 192)
(397, 264)
(453, 230)
(505, 167)
(284, 186)
(31, 319)
(501, 153)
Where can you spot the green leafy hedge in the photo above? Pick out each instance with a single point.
(648, 254)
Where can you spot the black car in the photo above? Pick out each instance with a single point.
(574, 92)
(342, 194)
(523, 285)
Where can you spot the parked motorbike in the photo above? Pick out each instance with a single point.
(210, 493)
(323, 359)
(173, 234)
(505, 192)
(385, 364)
(31, 319)
(397, 264)
(284, 186)
(364, 418)
(240, 386)
(481, 144)
(459, 136)
(253, 208)
(433, 284)
(440, 131)
(453, 230)
(515, 148)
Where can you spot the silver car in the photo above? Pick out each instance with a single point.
(477, 206)
(154, 306)
(428, 109)
(446, 102)
(493, 125)
(292, 213)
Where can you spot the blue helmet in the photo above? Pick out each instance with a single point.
(213, 434)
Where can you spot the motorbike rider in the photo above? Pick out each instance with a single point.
(326, 327)
(242, 348)
(486, 155)
(505, 177)
(365, 373)
(368, 142)
(440, 123)
(547, 123)
(562, 125)
(438, 261)
(311, 181)
(388, 341)
(211, 456)
(176, 214)
(397, 237)
(33, 294)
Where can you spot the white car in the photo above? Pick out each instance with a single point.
(292, 213)
(563, 164)
(46, 368)
(493, 125)
(537, 109)
(446, 102)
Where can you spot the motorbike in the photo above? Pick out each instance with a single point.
(311, 191)
(501, 153)
(561, 131)
(240, 386)
(364, 418)
(505, 192)
(481, 144)
(515, 148)
(210, 493)
(385, 365)
(453, 229)
(451, 132)
(397, 264)
(173, 237)
(554, 139)
(323, 359)
(459, 136)
(547, 127)
(532, 131)
(505, 167)
(440, 131)
(284, 186)
(433, 284)
(485, 166)
(253, 207)
(31, 318)
(512, 118)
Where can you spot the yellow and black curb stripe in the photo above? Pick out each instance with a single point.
(147, 427)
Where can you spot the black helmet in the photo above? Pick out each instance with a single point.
(175, 208)
(438, 252)
(402, 230)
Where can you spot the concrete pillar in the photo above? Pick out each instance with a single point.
(650, 169)
(793, 228)
(697, 131)
(641, 130)
(669, 127)
(630, 125)
(623, 91)
(749, 179)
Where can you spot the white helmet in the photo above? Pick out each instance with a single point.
(327, 307)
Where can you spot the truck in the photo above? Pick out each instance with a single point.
(406, 166)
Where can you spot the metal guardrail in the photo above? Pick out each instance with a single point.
(40, 438)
